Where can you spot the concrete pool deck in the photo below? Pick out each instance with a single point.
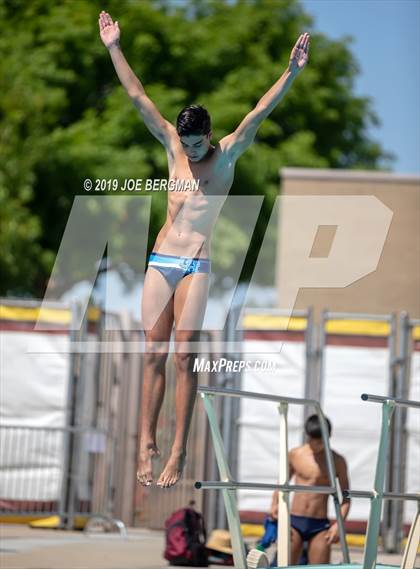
(22, 547)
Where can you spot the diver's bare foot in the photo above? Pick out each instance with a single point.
(173, 469)
(144, 469)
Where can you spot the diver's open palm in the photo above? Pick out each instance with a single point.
(299, 56)
(109, 30)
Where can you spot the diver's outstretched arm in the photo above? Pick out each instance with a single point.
(162, 129)
(238, 141)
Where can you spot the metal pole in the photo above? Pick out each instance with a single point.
(333, 483)
(236, 404)
(395, 400)
(67, 489)
(74, 464)
(321, 355)
(234, 485)
(213, 502)
(388, 533)
(229, 495)
(226, 418)
(283, 525)
(357, 316)
(372, 535)
(230, 409)
(66, 432)
(310, 363)
(385, 495)
(255, 395)
(400, 434)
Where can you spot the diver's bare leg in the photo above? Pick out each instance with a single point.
(157, 331)
(189, 308)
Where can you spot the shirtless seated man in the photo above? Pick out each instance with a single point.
(308, 518)
(178, 270)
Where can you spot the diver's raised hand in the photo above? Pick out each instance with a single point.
(299, 56)
(109, 30)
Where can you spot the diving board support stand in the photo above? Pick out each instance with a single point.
(229, 495)
(372, 535)
(229, 486)
(377, 496)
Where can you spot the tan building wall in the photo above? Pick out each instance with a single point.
(395, 284)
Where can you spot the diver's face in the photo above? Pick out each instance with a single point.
(196, 146)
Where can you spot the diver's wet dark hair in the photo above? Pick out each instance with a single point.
(193, 119)
(313, 427)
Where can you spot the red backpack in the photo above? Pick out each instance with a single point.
(185, 539)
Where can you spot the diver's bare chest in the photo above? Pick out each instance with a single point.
(199, 179)
(210, 177)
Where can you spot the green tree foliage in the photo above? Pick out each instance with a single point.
(64, 116)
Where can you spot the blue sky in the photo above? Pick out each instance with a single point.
(387, 48)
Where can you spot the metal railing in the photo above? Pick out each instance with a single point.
(377, 495)
(35, 478)
(228, 486)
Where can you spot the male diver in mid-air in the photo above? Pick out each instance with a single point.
(177, 275)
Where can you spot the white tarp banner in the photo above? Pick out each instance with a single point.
(33, 393)
(349, 372)
(259, 420)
